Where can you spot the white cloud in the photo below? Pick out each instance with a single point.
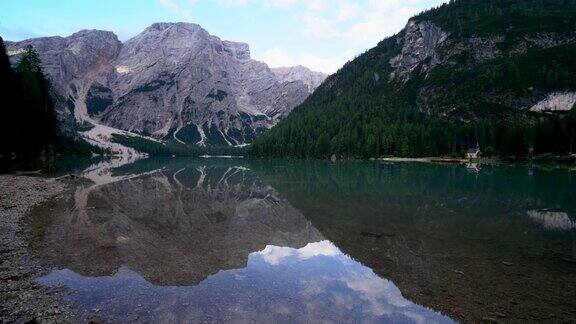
(170, 4)
(317, 5)
(280, 3)
(265, 3)
(181, 9)
(325, 248)
(318, 26)
(233, 2)
(348, 10)
(274, 255)
(359, 25)
(277, 57)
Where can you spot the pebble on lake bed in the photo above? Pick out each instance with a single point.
(32, 303)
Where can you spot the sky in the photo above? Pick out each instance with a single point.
(319, 34)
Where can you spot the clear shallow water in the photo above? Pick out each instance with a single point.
(315, 283)
(234, 240)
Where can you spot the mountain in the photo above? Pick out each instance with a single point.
(494, 73)
(225, 211)
(300, 73)
(173, 82)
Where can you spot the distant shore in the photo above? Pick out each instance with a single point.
(542, 159)
(435, 160)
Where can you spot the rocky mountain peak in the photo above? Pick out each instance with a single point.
(160, 26)
(240, 51)
(94, 34)
(175, 35)
(173, 81)
(88, 42)
(419, 44)
(310, 78)
(189, 35)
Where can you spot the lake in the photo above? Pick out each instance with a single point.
(238, 240)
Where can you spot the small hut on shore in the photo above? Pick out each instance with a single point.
(473, 153)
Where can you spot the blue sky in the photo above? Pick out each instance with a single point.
(320, 34)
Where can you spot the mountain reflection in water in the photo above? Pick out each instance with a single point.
(185, 240)
(197, 242)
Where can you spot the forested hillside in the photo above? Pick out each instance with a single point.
(28, 127)
(494, 73)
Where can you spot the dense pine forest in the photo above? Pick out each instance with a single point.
(28, 127)
(501, 57)
(173, 148)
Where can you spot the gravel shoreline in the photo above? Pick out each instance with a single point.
(22, 300)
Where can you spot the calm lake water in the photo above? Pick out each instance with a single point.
(216, 240)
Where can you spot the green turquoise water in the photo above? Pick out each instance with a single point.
(212, 240)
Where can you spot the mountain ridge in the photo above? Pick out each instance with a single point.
(311, 78)
(173, 81)
(453, 78)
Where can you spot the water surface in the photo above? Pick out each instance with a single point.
(210, 240)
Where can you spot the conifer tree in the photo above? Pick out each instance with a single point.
(37, 111)
(10, 96)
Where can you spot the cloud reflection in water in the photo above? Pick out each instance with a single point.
(314, 283)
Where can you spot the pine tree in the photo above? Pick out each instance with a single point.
(10, 96)
(37, 115)
(28, 123)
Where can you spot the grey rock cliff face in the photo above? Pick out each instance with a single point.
(173, 81)
(419, 44)
(68, 60)
(300, 73)
(424, 45)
